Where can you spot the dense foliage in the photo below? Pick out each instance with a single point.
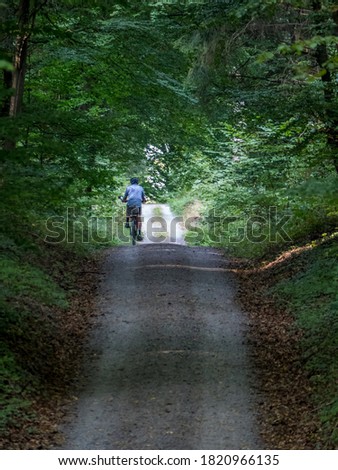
(271, 138)
(231, 103)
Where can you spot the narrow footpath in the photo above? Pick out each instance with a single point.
(167, 363)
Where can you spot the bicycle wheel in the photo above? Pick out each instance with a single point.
(133, 231)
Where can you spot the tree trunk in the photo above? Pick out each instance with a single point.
(15, 80)
(20, 57)
(7, 81)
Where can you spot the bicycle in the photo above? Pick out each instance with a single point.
(133, 222)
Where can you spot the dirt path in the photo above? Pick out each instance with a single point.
(167, 365)
(160, 226)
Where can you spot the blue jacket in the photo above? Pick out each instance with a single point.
(134, 195)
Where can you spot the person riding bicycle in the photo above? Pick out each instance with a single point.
(134, 197)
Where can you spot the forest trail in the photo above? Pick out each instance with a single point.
(167, 362)
(161, 226)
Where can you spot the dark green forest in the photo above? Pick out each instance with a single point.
(226, 107)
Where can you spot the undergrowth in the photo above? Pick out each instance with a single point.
(27, 293)
(311, 296)
(40, 330)
(14, 381)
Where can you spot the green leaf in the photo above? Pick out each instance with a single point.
(5, 65)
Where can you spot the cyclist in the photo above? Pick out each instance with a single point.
(134, 197)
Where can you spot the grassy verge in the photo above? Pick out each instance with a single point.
(292, 304)
(157, 212)
(45, 304)
(190, 208)
(29, 299)
(311, 295)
